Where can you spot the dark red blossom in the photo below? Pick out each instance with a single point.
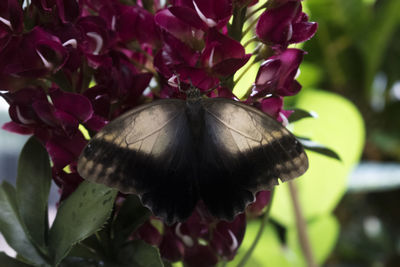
(200, 256)
(67, 182)
(223, 55)
(277, 74)
(186, 33)
(203, 13)
(129, 22)
(55, 123)
(64, 150)
(202, 239)
(171, 247)
(284, 25)
(147, 232)
(30, 55)
(227, 237)
(257, 207)
(10, 17)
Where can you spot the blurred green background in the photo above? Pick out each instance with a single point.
(351, 80)
(356, 54)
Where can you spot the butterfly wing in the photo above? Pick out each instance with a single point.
(244, 151)
(147, 151)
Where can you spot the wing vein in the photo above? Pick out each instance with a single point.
(233, 129)
(155, 131)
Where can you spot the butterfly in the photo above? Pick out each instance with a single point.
(174, 153)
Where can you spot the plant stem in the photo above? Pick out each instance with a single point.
(301, 226)
(264, 222)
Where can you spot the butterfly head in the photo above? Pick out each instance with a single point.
(193, 94)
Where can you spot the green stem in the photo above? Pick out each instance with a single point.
(301, 226)
(264, 222)
(235, 29)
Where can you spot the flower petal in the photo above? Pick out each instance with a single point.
(272, 106)
(74, 104)
(227, 237)
(17, 128)
(262, 199)
(171, 248)
(64, 150)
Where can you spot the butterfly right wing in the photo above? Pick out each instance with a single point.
(244, 151)
(147, 151)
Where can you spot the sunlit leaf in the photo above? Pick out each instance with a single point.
(268, 253)
(339, 126)
(322, 232)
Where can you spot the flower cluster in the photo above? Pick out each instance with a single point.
(71, 63)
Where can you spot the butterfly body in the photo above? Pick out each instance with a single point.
(174, 153)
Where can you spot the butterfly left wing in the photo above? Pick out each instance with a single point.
(147, 151)
(244, 151)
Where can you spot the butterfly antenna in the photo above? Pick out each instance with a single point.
(213, 88)
(178, 81)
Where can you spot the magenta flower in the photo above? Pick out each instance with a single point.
(202, 239)
(285, 24)
(277, 74)
(262, 200)
(55, 124)
(203, 14)
(30, 56)
(67, 182)
(120, 19)
(10, 18)
(222, 55)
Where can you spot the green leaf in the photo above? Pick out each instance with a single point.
(270, 252)
(12, 228)
(82, 214)
(11, 262)
(131, 215)
(81, 262)
(339, 126)
(81, 250)
(138, 253)
(33, 186)
(299, 114)
(318, 148)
